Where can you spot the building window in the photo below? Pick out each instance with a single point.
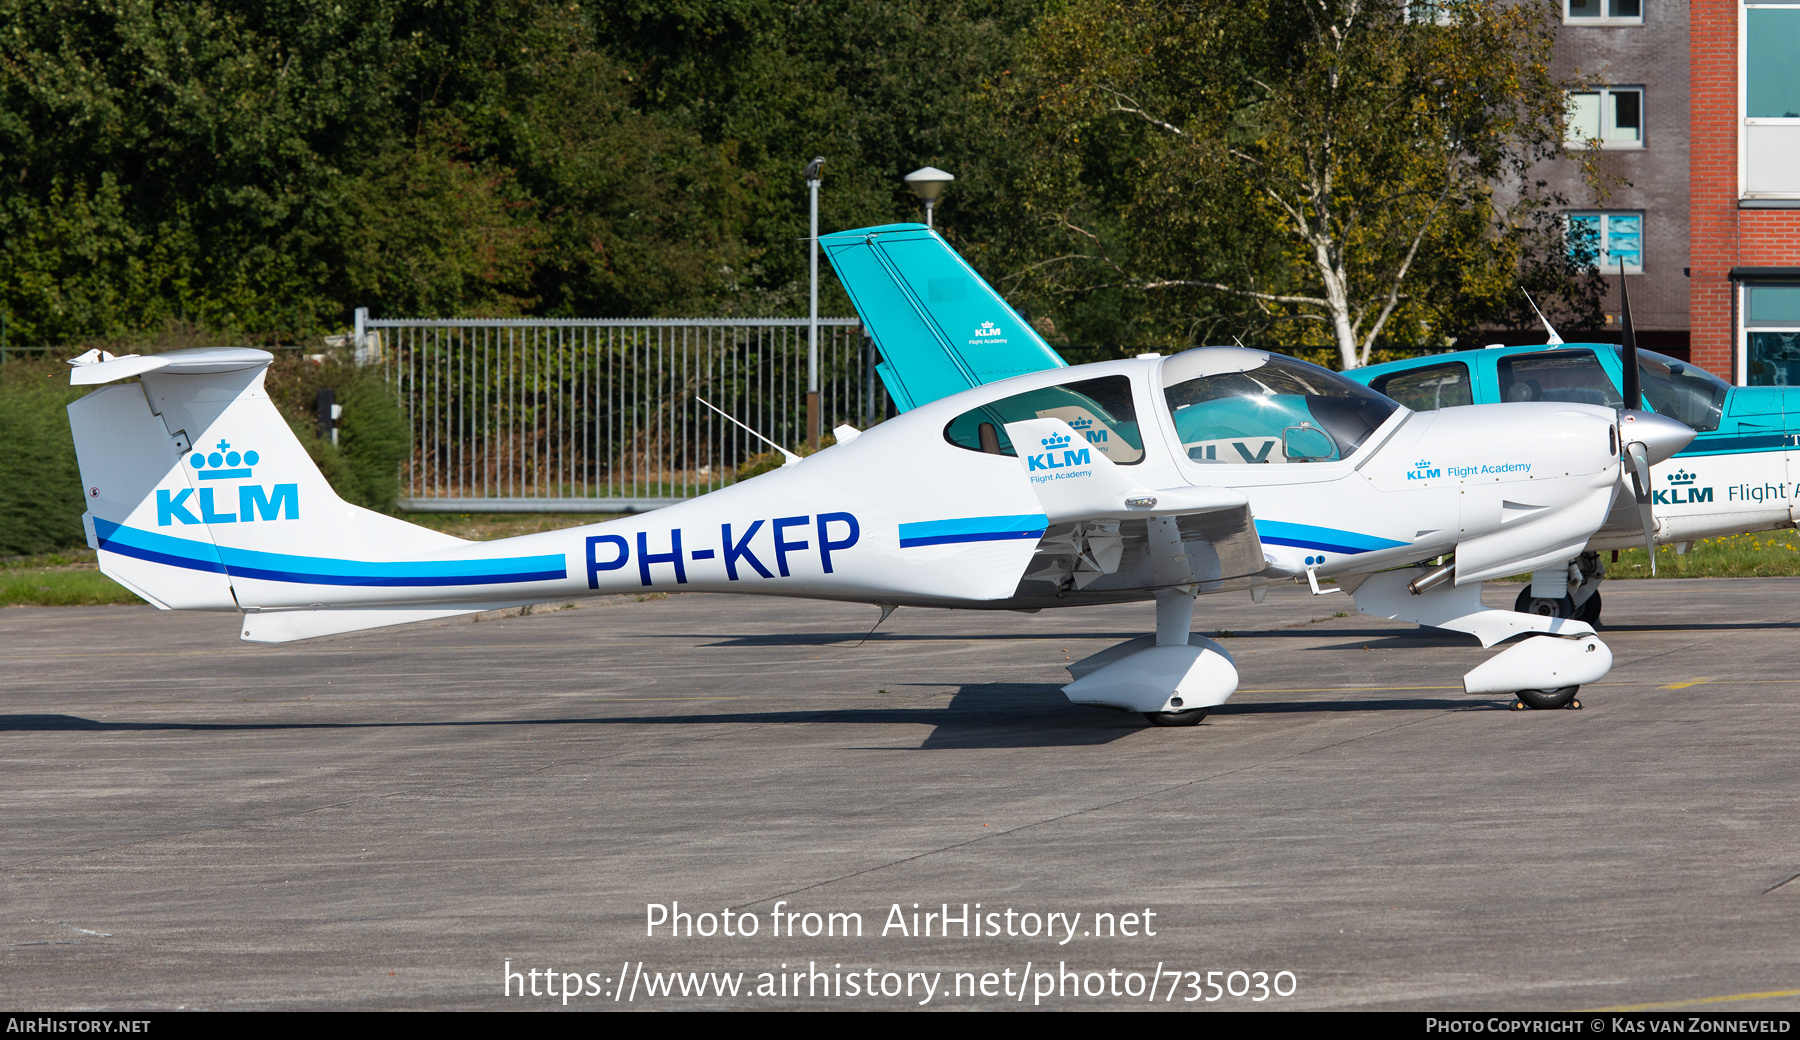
(1772, 335)
(1604, 239)
(1611, 117)
(1770, 87)
(1603, 12)
(1430, 12)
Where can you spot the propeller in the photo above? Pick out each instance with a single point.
(1645, 438)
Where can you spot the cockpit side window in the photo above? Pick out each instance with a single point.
(1429, 388)
(1098, 409)
(1682, 392)
(1273, 412)
(1574, 376)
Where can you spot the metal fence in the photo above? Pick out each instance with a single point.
(601, 415)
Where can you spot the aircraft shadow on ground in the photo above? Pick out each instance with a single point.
(979, 716)
(848, 640)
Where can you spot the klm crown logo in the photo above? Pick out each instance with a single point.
(184, 506)
(1082, 423)
(1682, 477)
(1423, 470)
(223, 463)
(1050, 458)
(1421, 464)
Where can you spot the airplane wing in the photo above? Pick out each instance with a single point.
(940, 328)
(1107, 533)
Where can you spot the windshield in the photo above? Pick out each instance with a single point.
(1680, 391)
(1237, 406)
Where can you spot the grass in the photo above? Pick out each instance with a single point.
(72, 578)
(1762, 554)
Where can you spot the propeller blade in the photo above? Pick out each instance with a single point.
(1639, 455)
(1634, 391)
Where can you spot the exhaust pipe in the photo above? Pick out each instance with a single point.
(1431, 579)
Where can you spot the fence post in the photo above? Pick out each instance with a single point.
(359, 342)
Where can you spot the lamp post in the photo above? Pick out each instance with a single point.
(928, 183)
(812, 311)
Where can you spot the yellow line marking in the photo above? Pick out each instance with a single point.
(1703, 1000)
(1685, 685)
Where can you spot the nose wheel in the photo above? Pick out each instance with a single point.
(1544, 699)
(1190, 717)
(1565, 607)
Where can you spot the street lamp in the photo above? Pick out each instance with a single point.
(928, 183)
(812, 313)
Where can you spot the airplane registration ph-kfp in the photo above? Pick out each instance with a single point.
(1072, 486)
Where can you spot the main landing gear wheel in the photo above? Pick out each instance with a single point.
(1562, 698)
(1190, 717)
(1588, 612)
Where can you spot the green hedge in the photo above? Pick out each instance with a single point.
(41, 498)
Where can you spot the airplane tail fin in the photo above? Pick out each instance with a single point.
(200, 497)
(940, 328)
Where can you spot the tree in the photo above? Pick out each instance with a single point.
(1345, 172)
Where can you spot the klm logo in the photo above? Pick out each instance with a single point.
(281, 502)
(988, 329)
(1423, 470)
(1681, 491)
(1053, 444)
(1086, 427)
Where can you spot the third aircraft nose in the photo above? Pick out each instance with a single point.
(1661, 435)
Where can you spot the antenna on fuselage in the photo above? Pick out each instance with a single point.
(1554, 338)
(789, 457)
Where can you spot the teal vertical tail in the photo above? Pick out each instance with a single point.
(940, 328)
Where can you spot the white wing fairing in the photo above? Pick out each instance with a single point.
(1216, 469)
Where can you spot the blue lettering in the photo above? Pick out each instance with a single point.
(741, 551)
(782, 545)
(1261, 456)
(1076, 458)
(206, 510)
(283, 500)
(1036, 462)
(646, 557)
(1700, 494)
(826, 545)
(169, 510)
(594, 566)
(1660, 498)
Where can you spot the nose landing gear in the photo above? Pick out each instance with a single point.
(1544, 699)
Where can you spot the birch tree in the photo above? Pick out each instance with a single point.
(1345, 172)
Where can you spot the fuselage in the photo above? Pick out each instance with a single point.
(1741, 472)
(904, 514)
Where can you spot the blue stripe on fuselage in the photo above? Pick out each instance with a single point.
(1330, 539)
(313, 570)
(973, 529)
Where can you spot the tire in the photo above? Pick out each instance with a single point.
(1589, 611)
(1558, 608)
(1190, 717)
(1548, 698)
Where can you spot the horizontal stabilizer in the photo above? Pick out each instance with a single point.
(940, 327)
(94, 367)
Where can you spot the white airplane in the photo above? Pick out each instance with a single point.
(1058, 488)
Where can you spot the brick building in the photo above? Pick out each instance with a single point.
(1744, 191)
(1633, 54)
(1694, 106)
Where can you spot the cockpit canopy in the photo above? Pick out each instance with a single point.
(1245, 406)
(1229, 405)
